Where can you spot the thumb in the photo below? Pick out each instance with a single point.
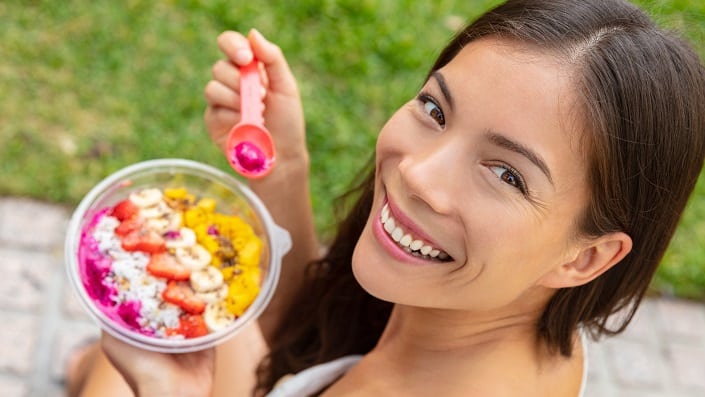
(278, 72)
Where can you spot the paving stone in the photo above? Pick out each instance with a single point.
(641, 327)
(56, 390)
(635, 364)
(688, 367)
(47, 229)
(681, 319)
(25, 276)
(19, 338)
(13, 387)
(70, 337)
(595, 390)
(72, 306)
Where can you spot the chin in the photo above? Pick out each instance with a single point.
(367, 269)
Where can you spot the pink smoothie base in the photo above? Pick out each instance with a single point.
(93, 266)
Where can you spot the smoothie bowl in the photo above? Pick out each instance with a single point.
(173, 255)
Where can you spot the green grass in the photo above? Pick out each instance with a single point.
(91, 86)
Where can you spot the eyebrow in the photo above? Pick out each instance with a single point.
(504, 142)
(443, 86)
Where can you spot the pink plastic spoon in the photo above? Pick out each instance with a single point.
(249, 148)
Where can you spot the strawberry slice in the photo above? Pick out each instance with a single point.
(128, 226)
(192, 326)
(166, 266)
(144, 240)
(183, 296)
(125, 209)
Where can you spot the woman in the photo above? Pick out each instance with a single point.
(525, 195)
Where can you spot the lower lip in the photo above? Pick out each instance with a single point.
(394, 250)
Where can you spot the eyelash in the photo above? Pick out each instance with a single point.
(519, 182)
(438, 116)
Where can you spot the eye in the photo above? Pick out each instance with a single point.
(509, 176)
(431, 107)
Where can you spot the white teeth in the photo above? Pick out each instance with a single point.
(389, 225)
(405, 240)
(385, 214)
(397, 234)
(426, 249)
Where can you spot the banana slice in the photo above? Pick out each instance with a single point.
(163, 224)
(217, 317)
(206, 280)
(184, 238)
(158, 210)
(159, 225)
(214, 296)
(146, 197)
(195, 257)
(175, 220)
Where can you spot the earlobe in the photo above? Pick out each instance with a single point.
(597, 257)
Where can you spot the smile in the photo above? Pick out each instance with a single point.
(407, 242)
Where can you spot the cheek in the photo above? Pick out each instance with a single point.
(393, 135)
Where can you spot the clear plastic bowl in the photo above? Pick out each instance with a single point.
(202, 181)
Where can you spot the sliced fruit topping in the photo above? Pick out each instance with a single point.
(182, 295)
(124, 210)
(128, 226)
(217, 316)
(185, 237)
(207, 279)
(144, 240)
(146, 197)
(166, 266)
(190, 326)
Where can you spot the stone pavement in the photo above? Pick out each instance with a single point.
(661, 354)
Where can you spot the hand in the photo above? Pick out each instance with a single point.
(283, 114)
(285, 190)
(160, 374)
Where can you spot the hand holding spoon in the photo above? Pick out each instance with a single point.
(249, 147)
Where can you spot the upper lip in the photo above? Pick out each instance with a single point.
(408, 224)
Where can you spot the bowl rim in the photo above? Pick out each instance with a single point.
(279, 242)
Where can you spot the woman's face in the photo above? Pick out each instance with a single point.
(479, 183)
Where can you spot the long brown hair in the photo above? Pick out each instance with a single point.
(642, 104)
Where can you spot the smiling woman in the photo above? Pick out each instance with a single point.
(523, 197)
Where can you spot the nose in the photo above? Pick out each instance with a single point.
(431, 175)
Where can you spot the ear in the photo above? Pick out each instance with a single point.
(591, 261)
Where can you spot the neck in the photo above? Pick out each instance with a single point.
(454, 353)
(427, 332)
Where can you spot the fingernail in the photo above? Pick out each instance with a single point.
(243, 56)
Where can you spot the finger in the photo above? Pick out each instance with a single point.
(222, 118)
(279, 74)
(219, 95)
(220, 121)
(226, 73)
(236, 47)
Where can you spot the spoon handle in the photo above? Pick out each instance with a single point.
(251, 106)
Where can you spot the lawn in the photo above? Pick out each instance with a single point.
(91, 86)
